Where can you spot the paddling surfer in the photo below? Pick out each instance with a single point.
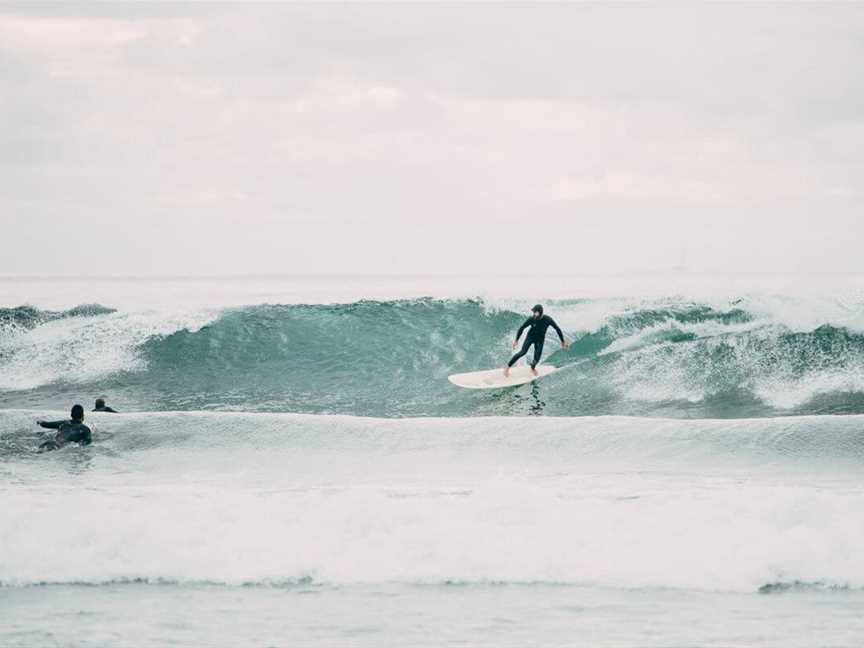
(102, 407)
(68, 430)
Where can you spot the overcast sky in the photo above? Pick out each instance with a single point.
(423, 138)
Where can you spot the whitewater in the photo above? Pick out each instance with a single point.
(693, 475)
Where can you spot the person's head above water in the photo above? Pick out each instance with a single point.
(537, 311)
(100, 402)
(77, 413)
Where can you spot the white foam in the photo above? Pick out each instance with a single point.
(809, 312)
(78, 349)
(614, 501)
(733, 538)
(787, 393)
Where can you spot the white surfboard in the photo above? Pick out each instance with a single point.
(494, 378)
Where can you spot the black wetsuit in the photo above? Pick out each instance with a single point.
(68, 431)
(105, 408)
(536, 336)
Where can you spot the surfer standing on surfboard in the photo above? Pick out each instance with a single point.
(536, 325)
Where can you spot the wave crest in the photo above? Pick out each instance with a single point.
(392, 358)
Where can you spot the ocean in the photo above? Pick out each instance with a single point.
(291, 467)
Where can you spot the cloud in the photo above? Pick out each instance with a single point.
(380, 135)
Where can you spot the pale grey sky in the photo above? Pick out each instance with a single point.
(430, 138)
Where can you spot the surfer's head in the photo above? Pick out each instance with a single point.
(77, 413)
(100, 402)
(537, 311)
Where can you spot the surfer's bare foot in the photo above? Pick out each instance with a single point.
(534, 371)
(506, 372)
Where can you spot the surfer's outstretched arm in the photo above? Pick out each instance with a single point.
(557, 328)
(51, 425)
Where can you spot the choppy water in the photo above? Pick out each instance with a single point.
(700, 456)
(751, 355)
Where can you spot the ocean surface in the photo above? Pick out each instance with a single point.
(291, 467)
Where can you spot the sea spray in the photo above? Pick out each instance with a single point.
(748, 358)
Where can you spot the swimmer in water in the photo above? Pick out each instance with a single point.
(68, 430)
(102, 407)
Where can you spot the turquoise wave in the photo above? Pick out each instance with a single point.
(28, 317)
(391, 359)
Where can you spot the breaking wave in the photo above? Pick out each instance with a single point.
(682, 359)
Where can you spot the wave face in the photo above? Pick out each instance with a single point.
(241, 498)
(748, 357)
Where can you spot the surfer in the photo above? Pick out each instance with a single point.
(102, 407)
(536, 325)
(68, 431)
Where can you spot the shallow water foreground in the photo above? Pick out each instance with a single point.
(143, 615)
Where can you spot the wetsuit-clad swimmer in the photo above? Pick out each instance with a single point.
(102, 407)
(536, 325)
(68, 431)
